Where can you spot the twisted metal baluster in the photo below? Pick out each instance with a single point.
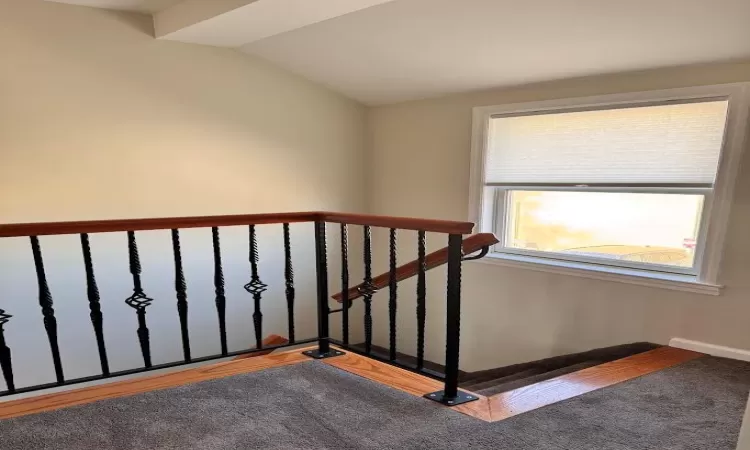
(345, 283)
(256, 288)
(321, 269)
(45, 301)
(289, 282)
(453, 315)
(368, 289)
(181, 289)
(5, 361)
(97, 320)
(421, 294)
(392, 288)
(450, 395)
(221, 300)
(139, 301)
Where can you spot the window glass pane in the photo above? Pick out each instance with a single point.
(634, 227)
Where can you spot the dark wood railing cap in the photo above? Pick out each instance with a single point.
(105, 226)
(403, 223)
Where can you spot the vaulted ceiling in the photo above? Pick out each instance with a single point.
(382, 51)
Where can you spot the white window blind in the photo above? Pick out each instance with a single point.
(654, 145)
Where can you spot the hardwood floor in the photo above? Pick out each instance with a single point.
(397, 378)
(492, 409)
(15, 408)
(508, 404)
(270, 341)
(518, 401)
(403, 380)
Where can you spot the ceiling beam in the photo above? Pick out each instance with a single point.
(233, 23)
(188, 13)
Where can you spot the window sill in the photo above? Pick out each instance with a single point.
(676, 282)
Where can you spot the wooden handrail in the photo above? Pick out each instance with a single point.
(437, 258)
(167, 223)
(104, 226)
(403, 223)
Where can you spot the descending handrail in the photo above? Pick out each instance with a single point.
(169, 223)
(476, 243)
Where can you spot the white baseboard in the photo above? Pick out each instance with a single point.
(710, 349)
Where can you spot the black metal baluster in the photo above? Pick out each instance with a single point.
(5, 361)
(221, 300)
(451, 396)
(345, 284)
(95, 308)
(368, 289)
(45, 301)
(139, 301)
(321, 271)
(289, 281)
(393, 295)
(256, 287)
(181, 289)
(421, 298)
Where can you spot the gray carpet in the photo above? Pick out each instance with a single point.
(696, 405)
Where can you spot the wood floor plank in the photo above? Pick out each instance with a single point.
(270, 341)
(21, 407)
(395, 377)
(528, 398)
(403, 380)
(479, 409)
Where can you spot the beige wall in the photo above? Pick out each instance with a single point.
(744, 440)
(98, 120)
(419, 160)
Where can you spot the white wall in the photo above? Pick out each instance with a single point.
(100, 121)
(419, 160)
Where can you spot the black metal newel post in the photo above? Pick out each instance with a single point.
(346, 303)
(95, 308)
(181, 289)
(221, 300)
(5, 361)
(451, 396)
(256, 288)
(368, 289)
(289, 282)
(45, 301)
(139, 301)
(421, 298)
(393, 296)
(321, 264)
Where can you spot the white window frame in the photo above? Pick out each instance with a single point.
(704, 276)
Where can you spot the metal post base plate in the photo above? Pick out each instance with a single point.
(460, 399)
(316, 354)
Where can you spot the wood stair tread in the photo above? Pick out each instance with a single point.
(478, 386)
(501, 387)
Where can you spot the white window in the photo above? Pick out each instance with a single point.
(633, 185)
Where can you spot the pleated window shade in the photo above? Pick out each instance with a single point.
(656, 145)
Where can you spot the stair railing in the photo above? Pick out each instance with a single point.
(139, 299)
(457, 251)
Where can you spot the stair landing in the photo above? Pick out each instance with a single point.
(490, 409)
